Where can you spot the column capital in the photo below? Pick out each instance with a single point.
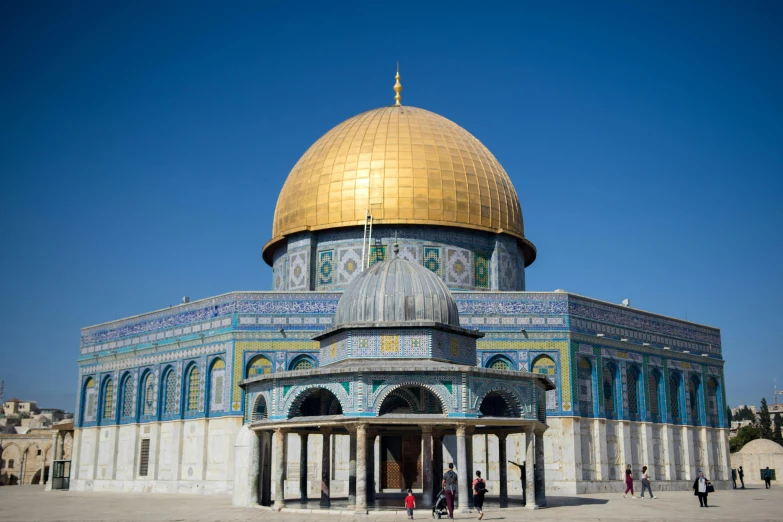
(326, 430)
(282, 431)
(362, 427)
(426, 428)
(461, 430)
(501, 436)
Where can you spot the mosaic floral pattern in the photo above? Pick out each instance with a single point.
(326, 267)
(481, 277)
(432, 260)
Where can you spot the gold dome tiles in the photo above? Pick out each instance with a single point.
(407, 165)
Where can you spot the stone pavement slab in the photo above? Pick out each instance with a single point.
(31, 503)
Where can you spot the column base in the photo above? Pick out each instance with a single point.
(277, 506)
(360, 511)
(534, 506)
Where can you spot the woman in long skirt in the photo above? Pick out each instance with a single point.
(479, 488)
(628, 482)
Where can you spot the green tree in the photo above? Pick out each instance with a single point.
(777, 436)
(765, 421)
(744, 435)
(728, 415)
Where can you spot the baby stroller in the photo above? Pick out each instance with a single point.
(440, 508)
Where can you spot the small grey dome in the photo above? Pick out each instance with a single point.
(395, 291)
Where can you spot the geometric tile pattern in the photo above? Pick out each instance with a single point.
(432, 260)
(326, 267)
(348, 264)
(298, 270)
(459, 268)
(481, 260)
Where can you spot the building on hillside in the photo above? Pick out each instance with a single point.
(26, 458)
(163, 397)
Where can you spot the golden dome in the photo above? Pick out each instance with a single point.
(407, 166)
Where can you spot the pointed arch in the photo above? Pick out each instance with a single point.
(675, 397)
(126, 397)
(714, 406)
(259, 408)
(634, 385)
(216, 384)
(302, 362)
(657, 399)
(107, 400)
(192, 387)
(609, 384)
(146, 395)
(89, 400)
(695, 406)
(500, 362)
(169, 405)
(315, 401)
(258, 365)
(586, 378)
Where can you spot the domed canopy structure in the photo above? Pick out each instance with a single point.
(407, 166)
(762, 446)
(397, 291)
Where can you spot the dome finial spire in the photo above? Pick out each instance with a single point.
(398, 88)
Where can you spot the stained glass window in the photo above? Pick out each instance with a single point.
(585, 376)
(108, 399)
(193, 388)
(304, 363)
(608, 390)
(693, 392)
(127, 397)
(653, 385)
(149, 395)
(674, 397)
(632, 377)
(216, 385)
(90, 395)
(545, 365)
(500, 363)
(170, 393)
(712, 402)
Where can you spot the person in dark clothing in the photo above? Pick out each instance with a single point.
(479, 489)
(450, 488)
(767, 478)
(523, 478)
(742, 477)
(700, 489)
(734, 478)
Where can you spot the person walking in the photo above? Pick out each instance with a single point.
(700, 489)
(646, 482)
(450, 488)
(479, 488)
(734, 478)
(410, 504)
(767, 478)
(628, 482)
(742, 477)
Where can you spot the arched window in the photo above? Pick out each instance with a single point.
(654, 385)
(259, 408)
(147, 393)
(303, 362)
(634, 392)
(674, 398)
(545, 365)
(108, 399)
(11, 464)
(585, 377)
(693, 395)
(217, 385)
(609, 387)
(127, 397)
(194, 378)
(89, 402)
(169, 395)
(259, 365)
(713, 409)
(500, 362)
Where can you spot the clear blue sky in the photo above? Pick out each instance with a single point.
(142, 149)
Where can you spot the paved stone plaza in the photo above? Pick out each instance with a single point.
(29, 503)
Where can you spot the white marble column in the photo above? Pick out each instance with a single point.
(706, 454)
(462, 471)
(648, 455)
(530, 479)
(279, 467)
(503, 468)
(724, 453)
(667, 453)
(689, 463)
(601, 450)
(361, 468)
(624, 443)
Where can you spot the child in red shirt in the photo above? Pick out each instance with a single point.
(410, 504)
